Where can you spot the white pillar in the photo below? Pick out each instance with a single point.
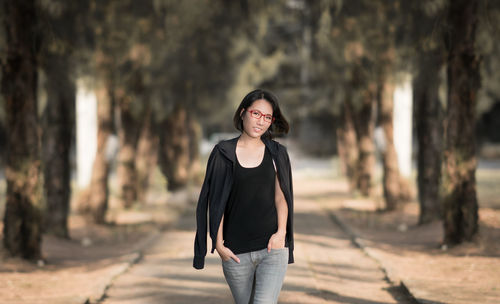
(403, 113)
(86, 132)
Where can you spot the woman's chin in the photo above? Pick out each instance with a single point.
(254, 134)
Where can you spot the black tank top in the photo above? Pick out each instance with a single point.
(250, 217)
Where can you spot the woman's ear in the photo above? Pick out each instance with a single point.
(241, 112)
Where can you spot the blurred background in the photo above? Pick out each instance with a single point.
(107, 105)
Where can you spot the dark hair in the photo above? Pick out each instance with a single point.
(280, 124)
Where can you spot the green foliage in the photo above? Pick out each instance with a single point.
(208, 54)
(488, 44)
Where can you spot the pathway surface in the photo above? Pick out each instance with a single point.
(328, 268)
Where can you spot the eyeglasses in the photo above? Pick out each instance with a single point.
(258, 114)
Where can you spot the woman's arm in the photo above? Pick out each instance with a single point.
(277, 240)
(224, 252)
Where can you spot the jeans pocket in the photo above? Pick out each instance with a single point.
(281, 252)
(279, 249)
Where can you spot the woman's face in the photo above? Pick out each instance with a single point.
(256, 127)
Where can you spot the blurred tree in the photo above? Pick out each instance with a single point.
(332, 65)
(196, 71)
(58, 118)
(364, 122)
(174, 148)
(347, 147)
(128, 128)
(95, 204)
(135, 27)
(122, 33)
(344, 34)
(312, 87)
(360, 43)
(185, 29)
(390, 16)
(488, 44)
(147, 152)
(22, 219)
(391, 178)
(101, 16)
(429, 59)
(459, 183)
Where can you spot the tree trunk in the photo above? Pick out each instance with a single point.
(147, 154)
(128, 134)
(347, 143)
(429, 134)
(97, 204)
(365, 127)
(56, 143)
(194, 146)
(459, 183)
(391, 178)
(22, 219)
(174, 148)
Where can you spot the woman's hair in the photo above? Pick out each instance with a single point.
(280, 124)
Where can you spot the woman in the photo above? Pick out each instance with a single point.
(249, 196)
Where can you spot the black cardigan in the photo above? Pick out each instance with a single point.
(217, 186)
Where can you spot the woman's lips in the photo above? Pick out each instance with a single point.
(257, 129)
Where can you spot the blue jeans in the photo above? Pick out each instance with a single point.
(258, 277)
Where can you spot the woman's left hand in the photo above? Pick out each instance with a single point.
(276, 241)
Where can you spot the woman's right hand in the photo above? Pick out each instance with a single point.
(226, 253)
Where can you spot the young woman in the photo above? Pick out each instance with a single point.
(249, 197)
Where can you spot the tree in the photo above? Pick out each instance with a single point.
(342, 38)
(429, 60)
(58, 118)
(197, 67)
(386, 57)
(174, 148)
(147, 153)
(135, 26)
(347, 148)
(428, 117)
(459, 183)
(186, 29)
(364, 125)
(95, 201)
(22, 220)
(391, 178)
(128, 134)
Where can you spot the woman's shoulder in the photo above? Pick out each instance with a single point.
(226, 144)
(276, 147)
(226, 148)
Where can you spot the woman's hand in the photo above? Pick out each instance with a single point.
(226, 253)
(277, 241)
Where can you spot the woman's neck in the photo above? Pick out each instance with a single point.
(248, 141)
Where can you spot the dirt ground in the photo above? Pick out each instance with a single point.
(78, 270)
(413, 254)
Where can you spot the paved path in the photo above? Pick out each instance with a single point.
(328, 268)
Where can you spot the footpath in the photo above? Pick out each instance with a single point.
(329, 268)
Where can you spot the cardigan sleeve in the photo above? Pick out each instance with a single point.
(287, 169)
(200, 242)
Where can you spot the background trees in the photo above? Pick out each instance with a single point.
(167, 73)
